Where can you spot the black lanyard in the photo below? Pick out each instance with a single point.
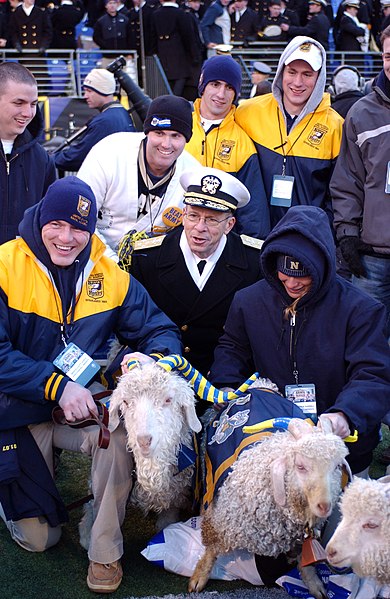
(283, 143)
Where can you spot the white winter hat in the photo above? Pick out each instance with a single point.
(101, 81)
(308, 52)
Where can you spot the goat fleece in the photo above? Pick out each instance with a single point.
(158, 410)
(362, 539)
(274, 490)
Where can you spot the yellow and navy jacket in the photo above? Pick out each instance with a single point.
(307, 145)
(107, 301)
(228, 148)
(311, 149)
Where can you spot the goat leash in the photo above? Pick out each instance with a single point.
(200, 384)
(101, 420)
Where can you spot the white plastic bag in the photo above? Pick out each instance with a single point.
(179, 546)
(337, 586)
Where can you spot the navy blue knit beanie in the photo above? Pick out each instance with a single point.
(71, 200)
(221, 68)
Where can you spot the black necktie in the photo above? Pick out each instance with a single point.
(201, 266)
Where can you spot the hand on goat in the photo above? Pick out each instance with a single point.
(334, 422)
(77, 402)
(141, 358)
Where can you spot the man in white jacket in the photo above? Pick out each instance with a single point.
(135, 177)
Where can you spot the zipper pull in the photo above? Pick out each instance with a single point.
(7, 166)
(292, 320)
(203, 147)
(63, 339)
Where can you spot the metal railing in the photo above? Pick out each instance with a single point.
(61, 72)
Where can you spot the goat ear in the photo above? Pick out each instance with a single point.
(115, 402)
(278, 471)
(192, 419)
(298, 428)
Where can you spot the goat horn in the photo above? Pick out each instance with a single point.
(200, 384)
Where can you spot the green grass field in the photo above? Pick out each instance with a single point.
(60, 573)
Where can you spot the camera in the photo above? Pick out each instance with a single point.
(138, 101)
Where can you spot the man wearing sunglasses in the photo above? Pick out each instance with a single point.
(193, 272)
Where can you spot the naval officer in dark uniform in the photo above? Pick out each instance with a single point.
(193, 272)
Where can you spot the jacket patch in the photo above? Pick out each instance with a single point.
(225, 149)
(95, 286)
(317, 134)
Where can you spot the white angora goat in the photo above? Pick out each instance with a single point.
(275, 489)
(158, 410)
(362, 539)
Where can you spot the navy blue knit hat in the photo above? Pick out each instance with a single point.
(221, 68)
(71, 200)
(290, 266)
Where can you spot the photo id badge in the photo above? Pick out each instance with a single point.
(387, 186)
(76, 364)
(282, 189)
(303, 396)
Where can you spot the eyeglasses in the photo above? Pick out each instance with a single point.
(210, 221)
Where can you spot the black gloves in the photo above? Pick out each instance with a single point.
(351, 247)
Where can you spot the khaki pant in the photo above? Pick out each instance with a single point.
(111, 484)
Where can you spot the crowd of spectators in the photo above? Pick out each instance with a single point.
(183, 34)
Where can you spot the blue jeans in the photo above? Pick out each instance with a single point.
(377, 282)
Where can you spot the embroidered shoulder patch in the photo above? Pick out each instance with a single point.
(151, 242)
(252, 241)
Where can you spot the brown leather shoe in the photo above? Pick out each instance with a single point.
(104, 578)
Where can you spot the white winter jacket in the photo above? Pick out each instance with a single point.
(111, 170)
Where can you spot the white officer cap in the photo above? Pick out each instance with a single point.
(214, 189)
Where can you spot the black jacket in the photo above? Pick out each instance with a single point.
(317, 28)
(246, 28)
(173, 36)
(64, 20)
(343, 102)
(200, 315)
(32, 31)
(112, 33)
(31, 171)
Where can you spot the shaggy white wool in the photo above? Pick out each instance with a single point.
(362, 538)
(159, 406)
(245, 513)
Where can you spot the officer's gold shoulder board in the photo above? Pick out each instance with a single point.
(252, 241)
(151, 242)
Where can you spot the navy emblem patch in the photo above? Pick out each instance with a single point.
(210, 184)
(95, 286)
(225, 149)
(83, 206)
(317, 134)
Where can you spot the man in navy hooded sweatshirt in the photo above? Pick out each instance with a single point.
(305, 325)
